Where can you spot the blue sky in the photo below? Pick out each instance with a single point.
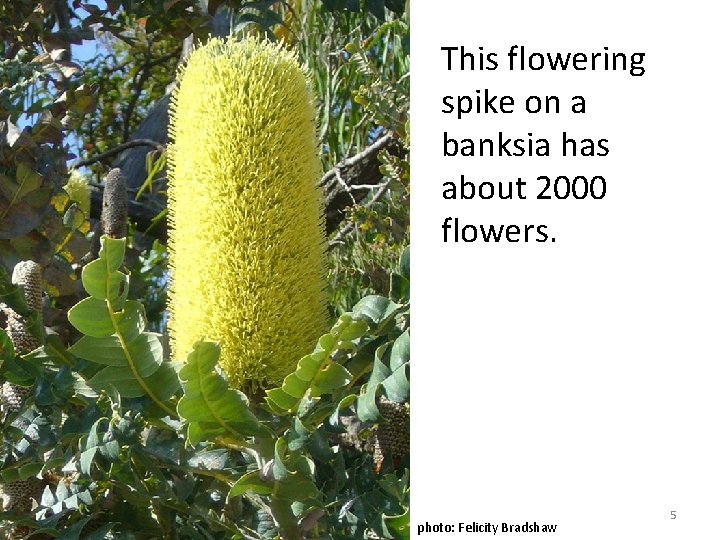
(82, 53)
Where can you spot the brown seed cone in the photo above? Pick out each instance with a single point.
(17, 496)
(27, 275)
(393, 434)
(12, 397)
(115, 205)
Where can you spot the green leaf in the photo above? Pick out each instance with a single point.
(29, 470)
(103, 285)
(145, 348)
(115, 339)
(121, 378)
(252, 482)
(209, 405)
(400, 353)
(329, 377)
(405, 263)
(27, 180)
(317, 373)
(367, 407)
(6, 347)
(90, 317)
(164, 381)
(292, 474)
(398, 526)
(399, 288)
(73, 217)
(397, 384)
(112, 250)
(374, 309)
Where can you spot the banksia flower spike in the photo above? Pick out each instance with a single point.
(247, 236)
(78, 190)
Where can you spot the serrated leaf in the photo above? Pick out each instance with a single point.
(90, 317)
(121, 378)
(115, 339)
(367, 407)
(397, 385)
(208, 404)
(109, 351)
(374, 309)
(99, 283)
(86, 459)
(164, 382)
(344, 404)
(112, 250)
(317, 373)
(331, 376)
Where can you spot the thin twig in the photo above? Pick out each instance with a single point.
(342, 233)
(124, 146)
(139, 79)
(372, 149)
(344, 185)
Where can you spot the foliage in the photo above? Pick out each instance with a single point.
(212, 461)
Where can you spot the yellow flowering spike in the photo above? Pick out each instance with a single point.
(78, 190)
(247, 245)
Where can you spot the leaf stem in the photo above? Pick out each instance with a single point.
(126, 351)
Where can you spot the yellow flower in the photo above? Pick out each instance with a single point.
(247, 245)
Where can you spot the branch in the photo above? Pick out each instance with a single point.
(139, 83)
(362, 169)
(117, 150)
(368, 153)
(342, 233)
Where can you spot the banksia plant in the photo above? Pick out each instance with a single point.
(27, 275)
(247, 246)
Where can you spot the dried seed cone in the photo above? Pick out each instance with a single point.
(115, 205)
(247, 245)
(18, 495)
(12, 397)
(393, 435)
(27, 275)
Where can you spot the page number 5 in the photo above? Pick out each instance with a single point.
(673, 514)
